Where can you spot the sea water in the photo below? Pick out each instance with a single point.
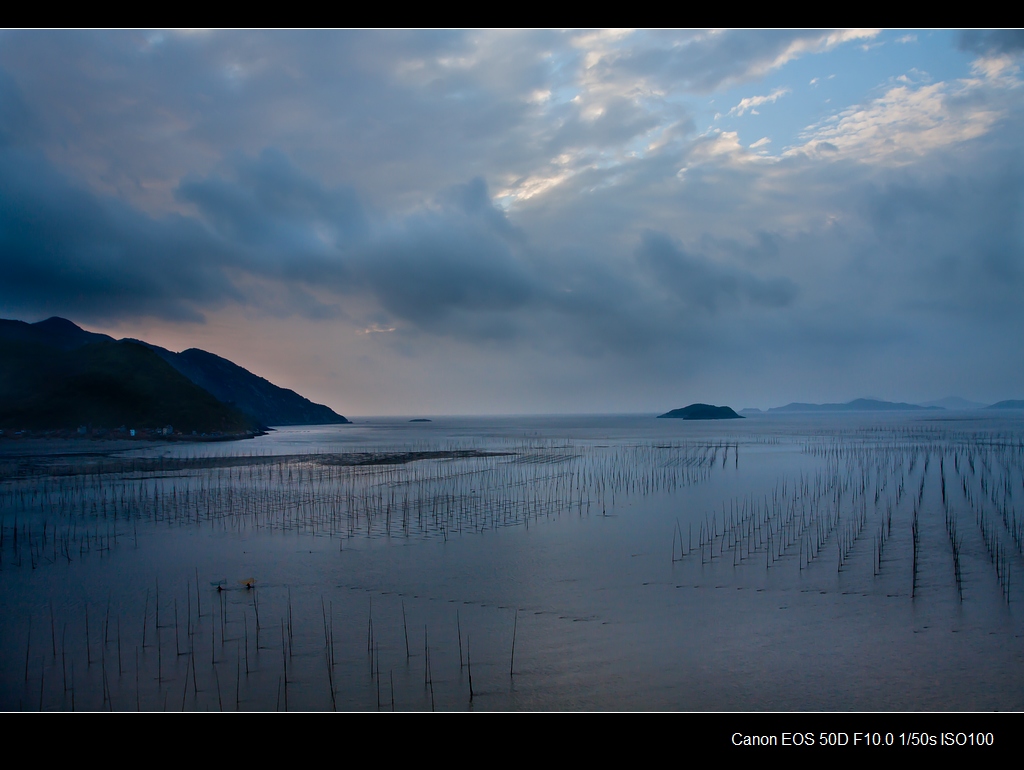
(809, 562)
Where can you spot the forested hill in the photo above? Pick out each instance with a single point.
(106, 386)
(35, 359)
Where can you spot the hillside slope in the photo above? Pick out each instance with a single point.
(105, 385)
(230, 384)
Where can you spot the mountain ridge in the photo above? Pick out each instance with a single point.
(229, 384)
(106, 386)
(857, 405)
(252, 394)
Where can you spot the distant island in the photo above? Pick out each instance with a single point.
(954, 403)
(419, 419)
(857, 405)
(1007, 405)
(703, 412)
(57, 377)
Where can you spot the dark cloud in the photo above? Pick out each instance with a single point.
(17, 124)
(699, 283)
(993, 41)
(462, 257)
(958, 239)
(288, 225)
(269, 194)
(458, 254)
(66, 250)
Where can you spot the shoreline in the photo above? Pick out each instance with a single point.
(62, 461)
(64, 443)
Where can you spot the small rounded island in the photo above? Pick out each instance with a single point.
(703, 412)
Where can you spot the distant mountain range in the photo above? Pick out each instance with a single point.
(857, 405)
(954, 402)
(56, 375)
(877, 405)
(1007, 405)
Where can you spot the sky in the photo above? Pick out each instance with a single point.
(528, 222)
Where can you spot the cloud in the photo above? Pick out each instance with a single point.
(907, 122)
(704, 61)
(992, 42)
(461, 256)
(539, 200)
(65, 250)
(288, 224)
(699, 284)
(751, 103)
(70, 250)
(17, 124)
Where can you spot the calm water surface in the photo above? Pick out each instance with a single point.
(775, 563)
